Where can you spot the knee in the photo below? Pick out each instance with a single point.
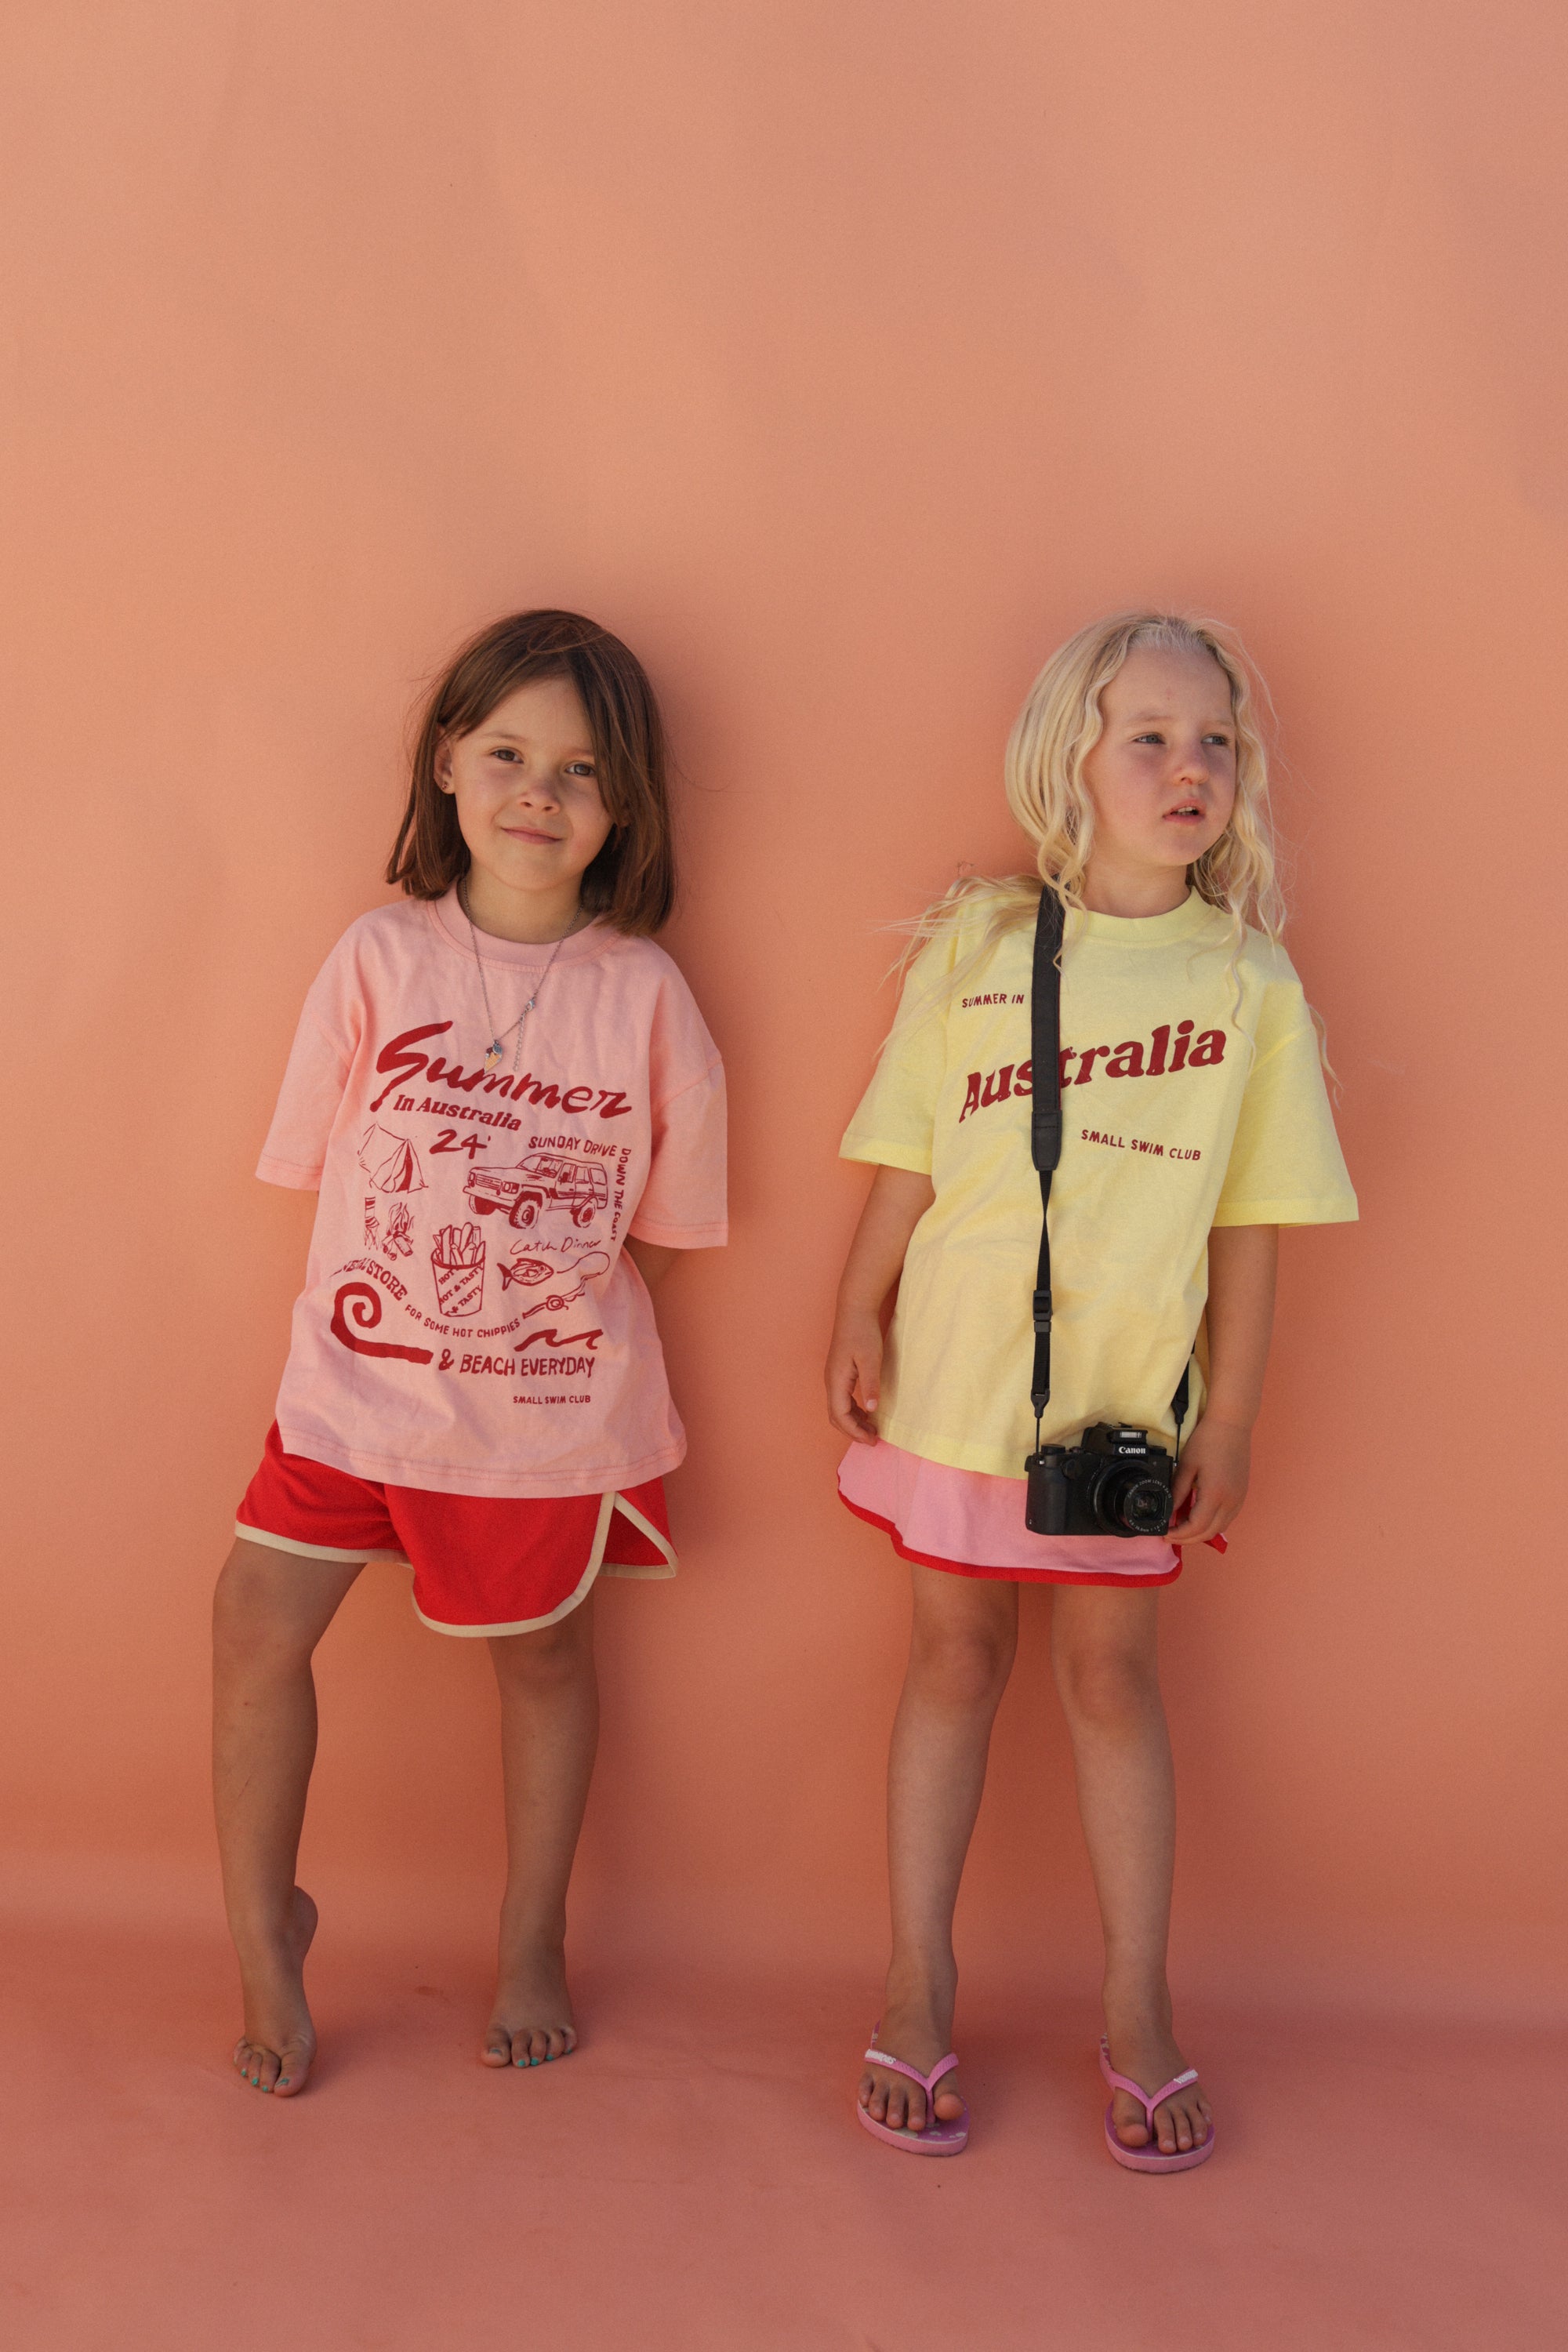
(1108, 1690)
(963, 1670)
(250, 1632)
(554, 1655)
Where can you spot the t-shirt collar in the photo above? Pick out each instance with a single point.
(1194, 914)
(453, 924)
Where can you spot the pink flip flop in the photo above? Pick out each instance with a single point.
(1149, 2159)
(938, 2139)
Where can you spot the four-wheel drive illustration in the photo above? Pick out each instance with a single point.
(545, 1179)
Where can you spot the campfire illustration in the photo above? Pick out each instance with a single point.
(398, 1239)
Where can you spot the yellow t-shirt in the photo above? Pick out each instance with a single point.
(1182, 1108)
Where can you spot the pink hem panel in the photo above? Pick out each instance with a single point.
(972, 1523)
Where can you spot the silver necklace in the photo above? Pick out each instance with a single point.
(495, 1050)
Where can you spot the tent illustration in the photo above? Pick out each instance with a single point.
(390, 1161)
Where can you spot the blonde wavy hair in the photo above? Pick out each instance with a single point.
(1060, 723)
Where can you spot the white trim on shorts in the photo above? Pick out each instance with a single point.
(316, 1551)
(608, 1504)
(597, 1565)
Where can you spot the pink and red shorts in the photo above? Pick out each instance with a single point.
(972, 1524)
(482, 1563)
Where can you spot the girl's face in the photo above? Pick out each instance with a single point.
(527, 791)
(1161, 778)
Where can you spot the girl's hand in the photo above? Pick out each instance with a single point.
(895, 1204)
(1211, 1480)
(855, 1374)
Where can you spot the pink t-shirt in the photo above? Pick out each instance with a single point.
(469, 1323)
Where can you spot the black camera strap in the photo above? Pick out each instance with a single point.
(1045, 1123)
(1045, 1141)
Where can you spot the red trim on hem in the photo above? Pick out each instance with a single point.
(1006, 1575)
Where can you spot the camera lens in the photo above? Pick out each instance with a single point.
(1140, 1506)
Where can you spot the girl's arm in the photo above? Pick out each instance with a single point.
(897, 1201)
(652, 1260)
(1211, 1483)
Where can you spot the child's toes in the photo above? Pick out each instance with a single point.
(260, 2067)
(496, 2050)
(1180, 2128)
(293, 2067)
(1131, 2125)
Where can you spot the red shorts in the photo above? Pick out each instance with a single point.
(482, 1563)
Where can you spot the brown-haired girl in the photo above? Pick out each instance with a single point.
(514, 1117)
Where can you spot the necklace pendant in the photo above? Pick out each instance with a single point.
(493, 1054)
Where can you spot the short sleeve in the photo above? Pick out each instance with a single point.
(1286, 1167)
(296, 1147)
(683, 1202)
(896, 1122)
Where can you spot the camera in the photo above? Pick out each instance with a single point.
(1113, 1483)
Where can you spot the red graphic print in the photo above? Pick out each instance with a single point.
(364, 1306)
(551, 1339)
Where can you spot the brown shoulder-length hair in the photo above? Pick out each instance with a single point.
(631, 883)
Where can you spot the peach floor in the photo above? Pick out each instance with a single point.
(694, 2179)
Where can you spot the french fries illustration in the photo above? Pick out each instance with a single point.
(458, 1262)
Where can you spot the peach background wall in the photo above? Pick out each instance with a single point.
(843, 359)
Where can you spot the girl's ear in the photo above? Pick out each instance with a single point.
(443, 763)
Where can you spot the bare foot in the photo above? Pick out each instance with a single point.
(278, 2048)
(1147, 2054)
(919, 2032)
(531, 2021)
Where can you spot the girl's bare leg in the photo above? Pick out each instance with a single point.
(269, 1611)
(1105, 1654)
(549, 1729)
(962, 1644)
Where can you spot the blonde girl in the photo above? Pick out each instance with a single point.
(1195, 1124)
(513, 1115)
